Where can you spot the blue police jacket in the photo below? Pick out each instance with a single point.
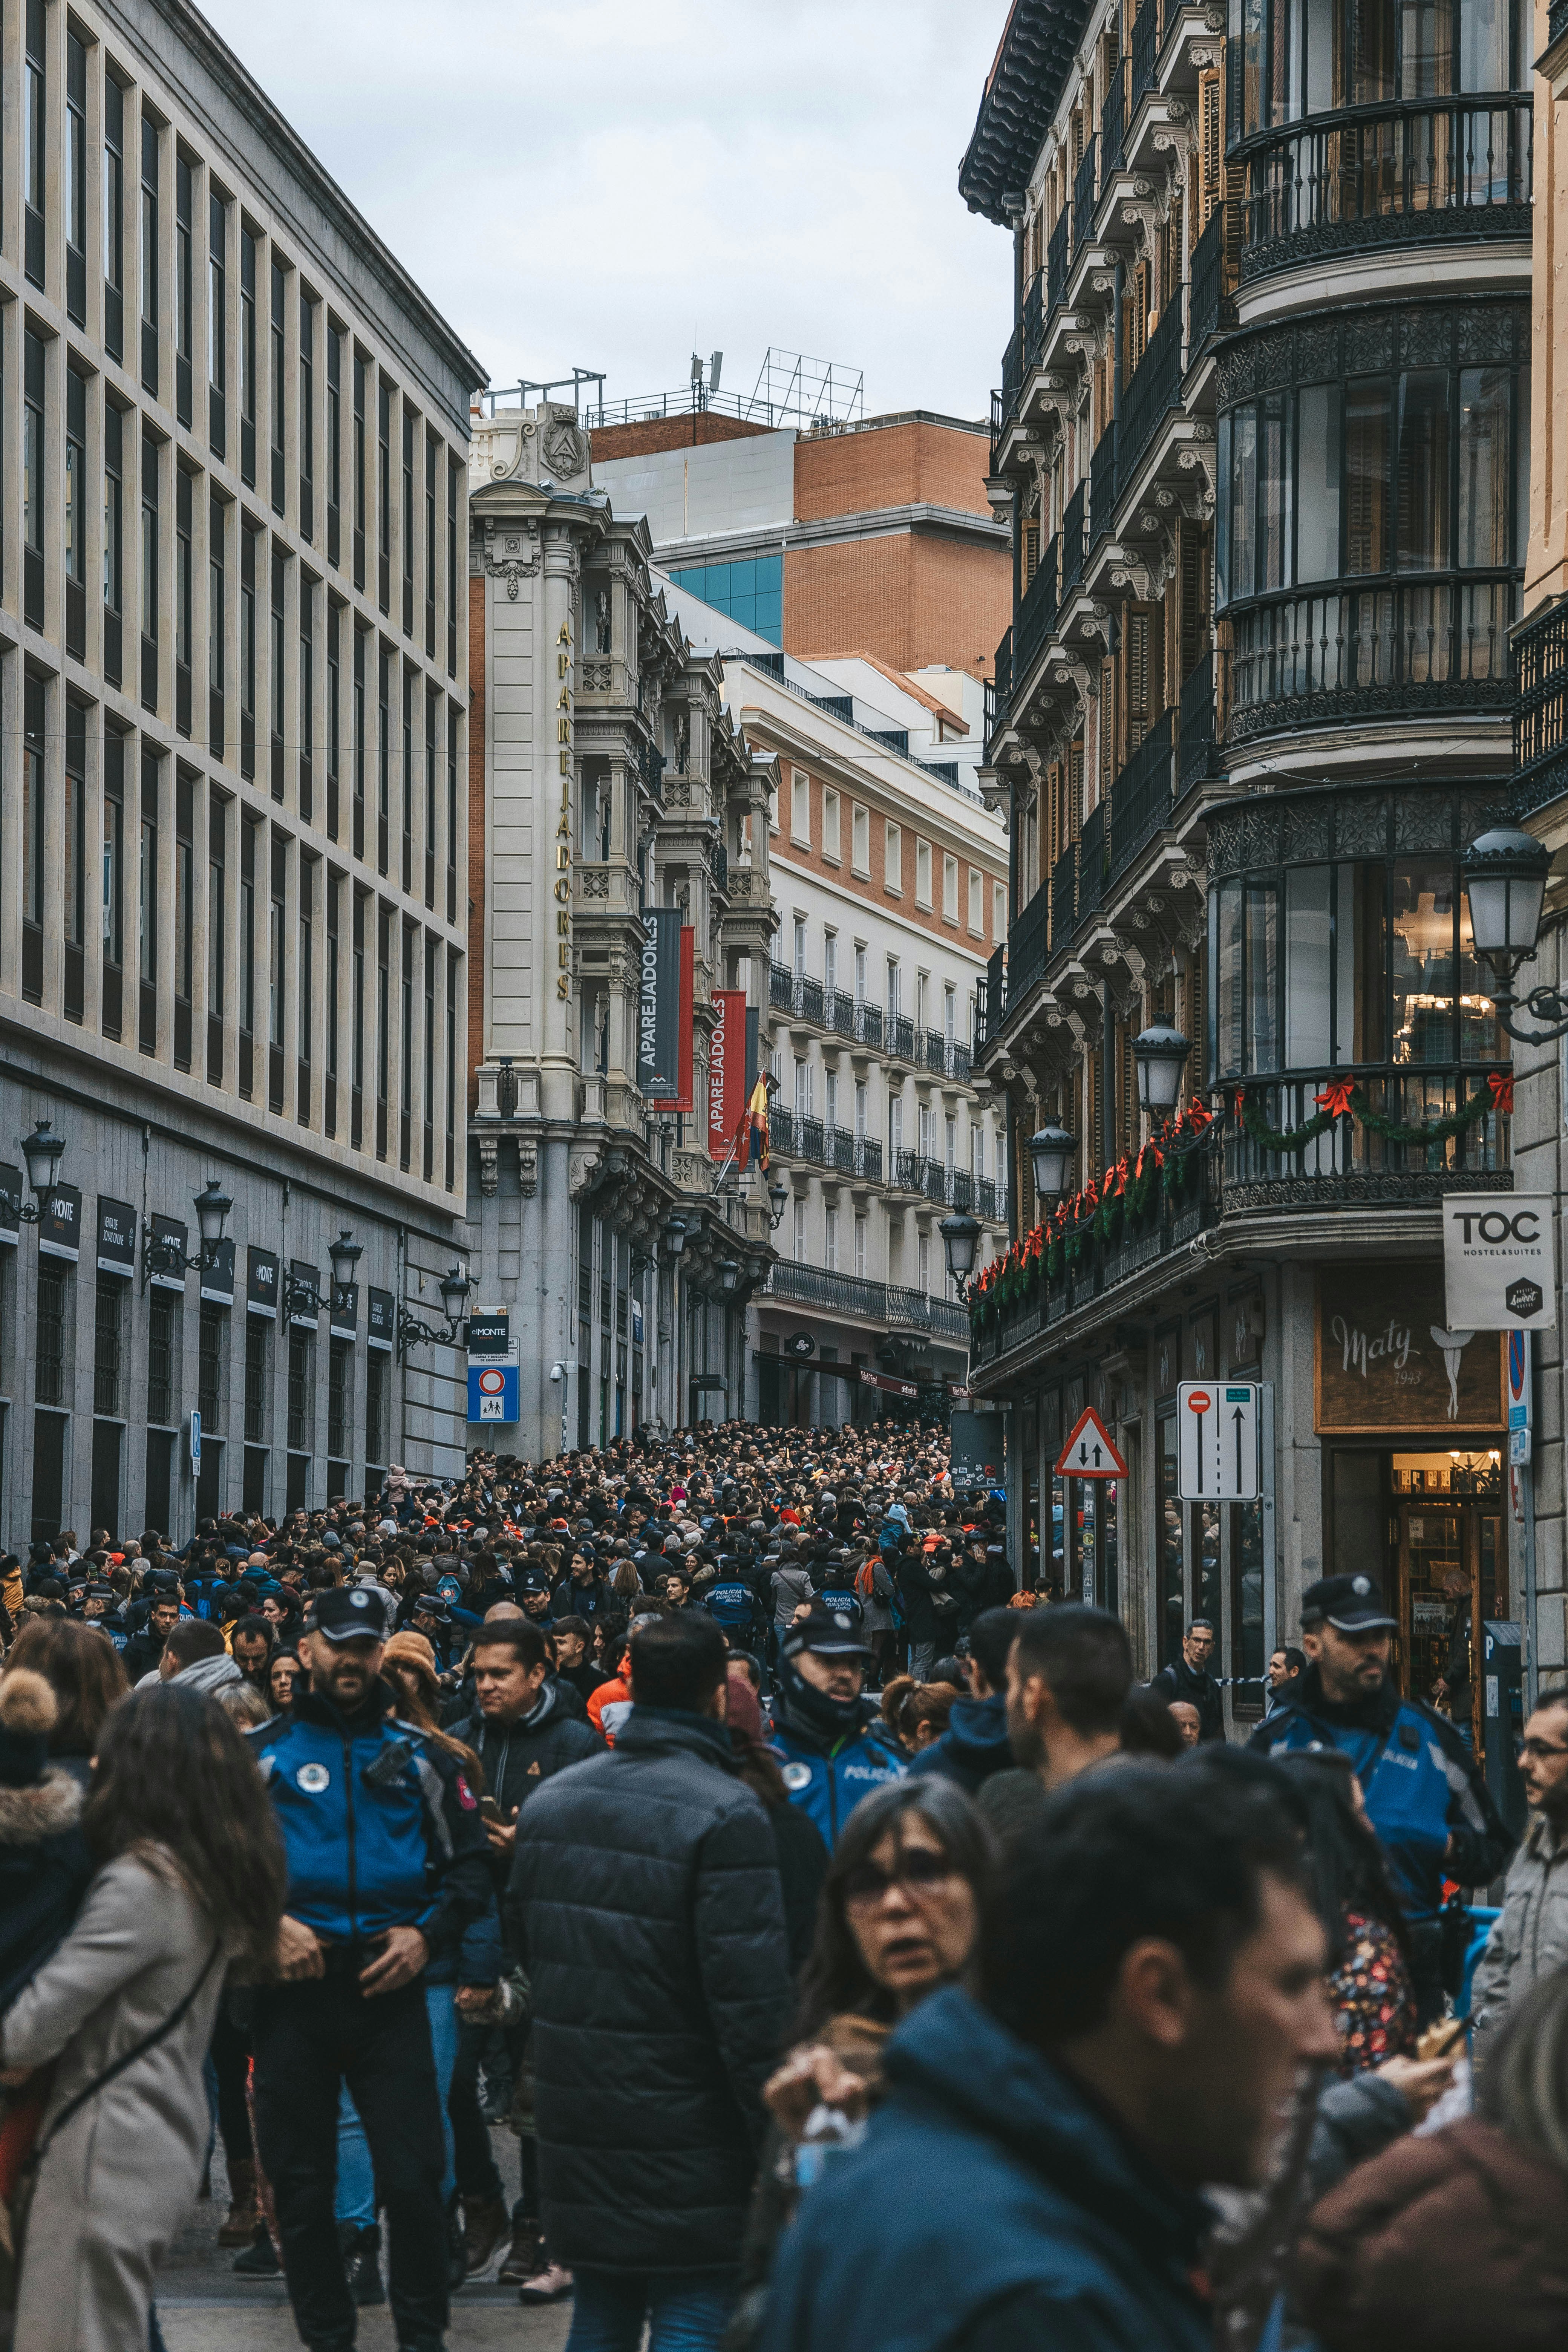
(380, 1828)
(829, 1780)
(1421, 1784)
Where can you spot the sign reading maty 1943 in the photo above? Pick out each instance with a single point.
(1499, 1261)
(1388, 1359)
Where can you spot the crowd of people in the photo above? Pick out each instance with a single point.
(857, 1951)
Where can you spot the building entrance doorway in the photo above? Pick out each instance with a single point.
(1448, 1573)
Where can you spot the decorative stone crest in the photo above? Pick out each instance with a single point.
(563, 445)
(512, 554)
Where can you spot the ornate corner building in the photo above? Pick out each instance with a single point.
(1263, 435)
(605, 779)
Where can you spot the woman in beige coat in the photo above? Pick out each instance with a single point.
(191, 1877)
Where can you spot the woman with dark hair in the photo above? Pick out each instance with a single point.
(898, 1916)
(191, 1875)
(282, 1670)
(1370, 1984)
(87, 1679)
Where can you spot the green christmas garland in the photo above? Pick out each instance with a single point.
(1392, 1131)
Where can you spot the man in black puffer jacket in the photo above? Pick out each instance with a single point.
(644, 1901)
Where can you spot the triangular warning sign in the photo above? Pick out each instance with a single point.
(1088, 1451)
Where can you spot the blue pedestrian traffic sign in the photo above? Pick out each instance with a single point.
(492, 1392)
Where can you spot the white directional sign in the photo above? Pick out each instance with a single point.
(1216, 1441)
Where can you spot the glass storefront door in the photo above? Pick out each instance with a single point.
(1448, 1570)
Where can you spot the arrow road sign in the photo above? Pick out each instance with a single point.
(1216, 1441)
(1088, 1451)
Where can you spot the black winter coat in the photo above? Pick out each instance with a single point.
(645, 1901)
(519, 1758)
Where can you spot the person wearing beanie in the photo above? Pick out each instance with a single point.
(832, 1755)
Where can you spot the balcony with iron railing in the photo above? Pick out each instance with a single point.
(1083, 198)
(1211, 307)
(1093, 860)
(1369, 175)
(999, 690)
(1037, 614)
(1141, 796)
(1064, 899)
(1057, 258)
(1026, 952)
(1102, 483)
(1145, 50)
(1367, 648)
(1112, 124)
(1541, 719)
(876, 1303)
(1155, 390)
(1074, 536)
(1194, 746)
(899, 1032)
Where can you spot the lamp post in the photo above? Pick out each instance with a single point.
(960, 1239)
(412, 1332)
(1504, 874)
(1160, 1053)
(729, 1273)
(42, 1152)
(778, 1197)
(674, 1235)
(1051, 1151)
(160, 1254)
(344, 1253)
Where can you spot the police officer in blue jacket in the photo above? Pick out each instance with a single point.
(1424, 1791)
(832, 1756)
(387, 1866)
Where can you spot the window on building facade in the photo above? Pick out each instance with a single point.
(860, 844)
(922, 874)
(893, 861)
(800, 808)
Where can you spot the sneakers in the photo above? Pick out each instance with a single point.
(361, 2262)
(547, 2285)
(485, 2226)
(240, 2227)
(525, 2256)
(259, 2260)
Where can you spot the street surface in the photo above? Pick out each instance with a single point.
(203, 2307)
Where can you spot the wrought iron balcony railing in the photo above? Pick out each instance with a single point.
(1083, 197)
(1155, 389)
(1142, 795)
(1431, 168)
(1355, 649)
(1541, 719)
(1037, 614)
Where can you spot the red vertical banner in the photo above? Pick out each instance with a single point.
(726, 1071)
(686, 1062)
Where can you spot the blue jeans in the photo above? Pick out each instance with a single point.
(686, 2313)
(356, 2198)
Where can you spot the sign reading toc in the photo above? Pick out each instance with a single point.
(1216, 1441)
(1499, 1263)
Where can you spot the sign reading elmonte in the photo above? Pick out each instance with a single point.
(1499, 1261)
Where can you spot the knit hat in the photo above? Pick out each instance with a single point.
(29, 1710)
(412, 1650)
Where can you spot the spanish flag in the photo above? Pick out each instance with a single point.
(755, 1128)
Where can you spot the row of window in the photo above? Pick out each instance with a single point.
(302, 382)
(279, 975)
(355, 735)
(1364, 960)
(828, 839)
(1428, 470)
(1291, 58)
(850, 974)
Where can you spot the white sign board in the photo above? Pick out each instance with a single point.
(1499, 1264)
(1216, 1441)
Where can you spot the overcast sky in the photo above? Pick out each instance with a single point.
(619, 183)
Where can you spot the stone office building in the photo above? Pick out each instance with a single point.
(1262, 431)
(233, 654)
(607, 780)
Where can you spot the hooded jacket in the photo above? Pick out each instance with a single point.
(1449, 2242)
(519, 1758)
(974, 1745)
(1081, 2247)
(645, 1903)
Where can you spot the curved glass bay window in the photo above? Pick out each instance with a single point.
(1356, 967)
(1371, 526)
(1419, 110)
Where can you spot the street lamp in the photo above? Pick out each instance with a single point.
(162, 1254)
(675, 1236)
(345, 1254)
(1051, 1151)
(1160, 1053)
(43, 1151)
(414, 1333)
(960, 1239)
(729, 1275)
(778, 1195)
(1504, 874)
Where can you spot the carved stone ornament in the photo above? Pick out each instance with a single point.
(594, 881)
(490, 1164)
(512, 554)
(563, 445)
(511, 448)
(527, 1166)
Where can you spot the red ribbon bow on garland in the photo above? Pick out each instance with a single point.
(1335, 1098)
(1501, 1085)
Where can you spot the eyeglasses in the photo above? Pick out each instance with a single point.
(1542, 1747)
(919, 1870)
